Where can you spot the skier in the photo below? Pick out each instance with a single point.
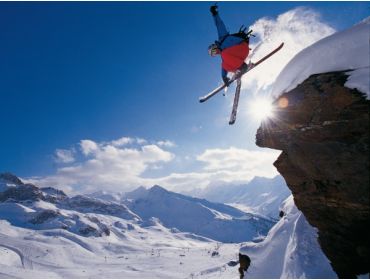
(233, 48)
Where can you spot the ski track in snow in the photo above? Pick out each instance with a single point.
(26, 263)
(9, 256)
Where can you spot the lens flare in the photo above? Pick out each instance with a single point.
(261, 108)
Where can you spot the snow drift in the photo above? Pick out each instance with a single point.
(346, 50)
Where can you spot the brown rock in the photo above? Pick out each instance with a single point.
(322, 129)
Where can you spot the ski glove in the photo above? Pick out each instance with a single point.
(213, 10)
(226, 80)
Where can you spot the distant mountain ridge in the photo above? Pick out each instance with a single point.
(52, 208)
(261, 195)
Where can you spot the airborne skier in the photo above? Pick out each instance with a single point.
(233, 48)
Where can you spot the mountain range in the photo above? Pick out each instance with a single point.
(146, 233)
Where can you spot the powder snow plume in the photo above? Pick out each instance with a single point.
(297, 28)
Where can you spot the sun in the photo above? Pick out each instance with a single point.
(261, 108)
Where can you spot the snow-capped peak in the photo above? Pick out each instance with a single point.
(9, 180)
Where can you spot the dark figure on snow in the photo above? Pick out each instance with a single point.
(233, 48)
(244, 262)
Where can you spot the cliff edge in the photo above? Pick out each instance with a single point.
(321, 125)
(322, 128)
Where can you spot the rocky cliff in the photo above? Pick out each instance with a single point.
(322, 128)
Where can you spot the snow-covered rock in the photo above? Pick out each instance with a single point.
(8, 180)
(346, 50)
(86, 204)
(53, 192)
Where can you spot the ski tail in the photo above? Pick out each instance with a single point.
(212, 93)
(236, 102)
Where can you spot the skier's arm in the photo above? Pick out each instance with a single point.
(221, 28)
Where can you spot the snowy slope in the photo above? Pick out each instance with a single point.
(290, 250)
(129, 251)
(346, 50)
(213, 220)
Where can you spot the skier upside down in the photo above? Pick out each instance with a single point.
(234, 49)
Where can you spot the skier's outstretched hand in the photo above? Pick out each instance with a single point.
(226, 81)
(213, 10)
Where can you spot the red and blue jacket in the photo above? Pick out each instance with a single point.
(234, 49)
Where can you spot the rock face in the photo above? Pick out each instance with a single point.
(322, 129)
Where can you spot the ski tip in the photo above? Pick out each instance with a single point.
(201, 100)
(231, 122)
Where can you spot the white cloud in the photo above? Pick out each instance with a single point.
(122, 141)
(88, 147)
(106, 165)
(230, 165)
(166, 143)
(297, 28)
(141, 141)
(116, 168)
(233, 159)
(64, 156)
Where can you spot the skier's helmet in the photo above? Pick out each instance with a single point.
(213, 50)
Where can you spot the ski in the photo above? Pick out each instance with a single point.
(236, 101)
(212, 93)
(239, 75)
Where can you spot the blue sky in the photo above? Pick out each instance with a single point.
(101, 71)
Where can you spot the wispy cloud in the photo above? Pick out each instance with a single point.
(122, 141)
(64, 156)
(224, 165)
(297, 28)
(233, 159)
(166, 143)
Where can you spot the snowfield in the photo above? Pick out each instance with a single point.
(129, 252)
(346, 50)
